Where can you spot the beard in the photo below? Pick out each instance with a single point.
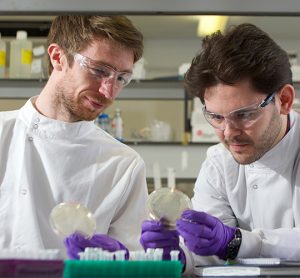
(257, 148)
(72, 107)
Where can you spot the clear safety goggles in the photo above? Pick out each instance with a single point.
(240, 118)
(100, 71)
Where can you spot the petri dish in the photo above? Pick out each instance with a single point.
(70, 217)
(167, 204)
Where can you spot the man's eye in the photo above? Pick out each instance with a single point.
(245, 115)
(121, 79)
(216, 117)
(99, 72)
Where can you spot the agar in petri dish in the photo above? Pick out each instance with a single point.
(70, 217)
(167, 204)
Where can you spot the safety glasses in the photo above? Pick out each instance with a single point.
(100, 71)
(240, 118)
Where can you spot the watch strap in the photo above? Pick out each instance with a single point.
(233, 246)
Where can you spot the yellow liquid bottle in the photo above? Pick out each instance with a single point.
(20, 56)
(2, 57)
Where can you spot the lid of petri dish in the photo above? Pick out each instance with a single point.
(167, 205)
(70, 217)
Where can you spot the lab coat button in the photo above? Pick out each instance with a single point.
(35, 126)
(23, 191)
(30, 138)
(37, 120)
(255, 186)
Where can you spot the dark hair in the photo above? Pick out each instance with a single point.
(244, 53)
(74, 33)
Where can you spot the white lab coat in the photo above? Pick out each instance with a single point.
(262, 198)
(45, 162)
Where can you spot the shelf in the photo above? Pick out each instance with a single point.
(143, 89)
(257, 7)
(138, 89)
(168, 143)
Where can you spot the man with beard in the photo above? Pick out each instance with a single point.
(246, 199)
(52, 152)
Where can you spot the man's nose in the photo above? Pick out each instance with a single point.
(107, 88)
(231, 128)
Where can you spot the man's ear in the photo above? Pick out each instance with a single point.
(286, 98)
(57, 57)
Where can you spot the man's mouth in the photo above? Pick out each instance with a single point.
(237, 146)
(96, 104)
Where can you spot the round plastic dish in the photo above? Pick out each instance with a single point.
(68, 218)
(167, 204)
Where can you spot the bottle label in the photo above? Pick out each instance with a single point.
(26, 56)
(2, 58)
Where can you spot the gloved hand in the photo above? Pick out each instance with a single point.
(76, 243)
(155, 235)
(204, 234)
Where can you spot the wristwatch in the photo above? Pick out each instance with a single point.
(233, 246)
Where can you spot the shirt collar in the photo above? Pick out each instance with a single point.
(50, 128)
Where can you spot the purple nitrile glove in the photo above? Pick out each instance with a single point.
(156, 235)
(76, 243)
(204, 234)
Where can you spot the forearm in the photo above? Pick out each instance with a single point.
(279, 243)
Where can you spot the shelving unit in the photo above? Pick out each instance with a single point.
(143, 89)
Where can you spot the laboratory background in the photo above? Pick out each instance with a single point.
(153, 115)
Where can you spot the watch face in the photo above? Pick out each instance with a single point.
(234, 242)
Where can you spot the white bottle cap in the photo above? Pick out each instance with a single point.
(38, 50)
(21, 35)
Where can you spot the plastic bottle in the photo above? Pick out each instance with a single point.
(20, 56)
(2, 57)
(103, 121)
(202, 131)
(39, 63)
(117, 125)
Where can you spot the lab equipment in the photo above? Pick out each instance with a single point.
(117, 125)
(96, 262)
(156, 175)
(70, 217)
(197, 228)
(167, 204)
(31, 263)
(31, 254)
(202, 131)
(103, 121)
(151, 254)
(160, 131)
(12, 268)
(122, 269)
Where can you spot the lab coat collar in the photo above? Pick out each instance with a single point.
(50, 128)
